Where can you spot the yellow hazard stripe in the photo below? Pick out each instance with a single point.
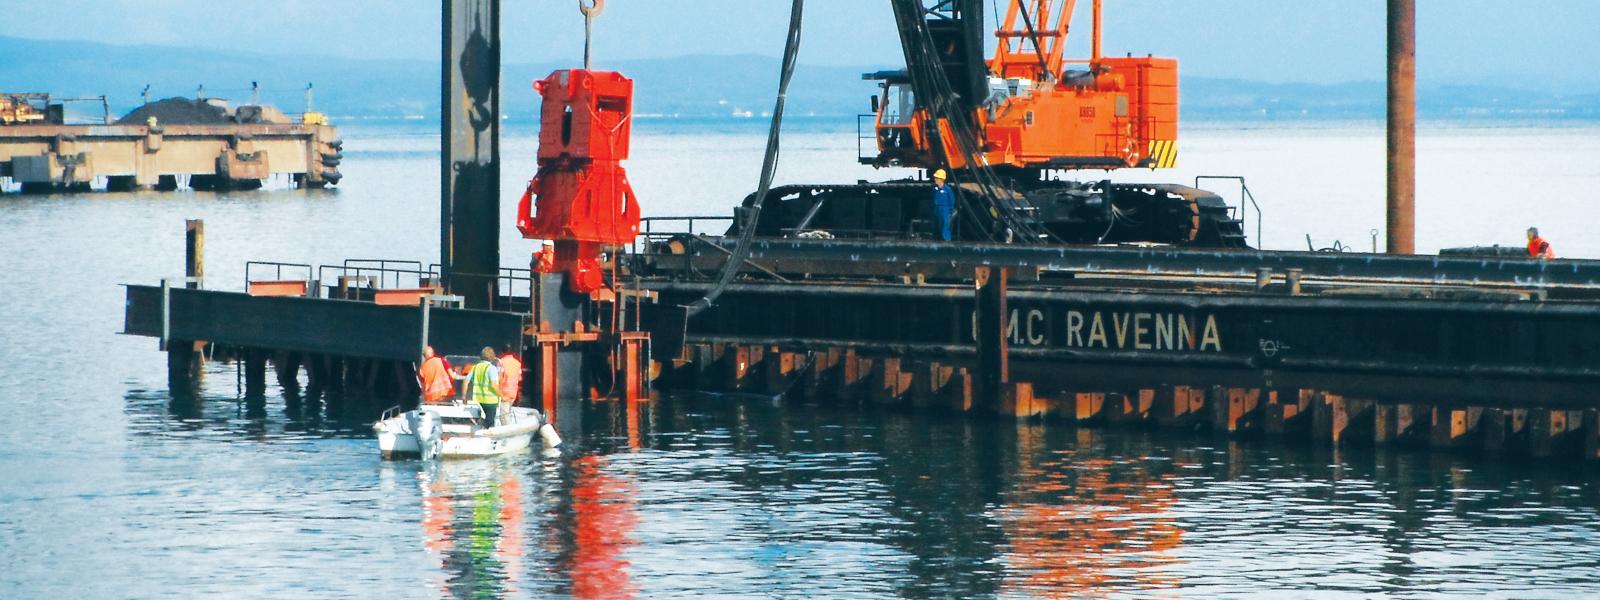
(1163, 154)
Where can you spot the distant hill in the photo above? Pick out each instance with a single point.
(690, 86)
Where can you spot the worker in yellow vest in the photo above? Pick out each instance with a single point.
(510, 375)
(484, 380)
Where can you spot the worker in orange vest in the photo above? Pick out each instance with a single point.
(1537, 247)
(510, 375)
(438, 385)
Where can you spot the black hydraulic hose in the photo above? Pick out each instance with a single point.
(769, 167)
(939, 98)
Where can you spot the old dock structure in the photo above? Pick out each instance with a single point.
(237, 150)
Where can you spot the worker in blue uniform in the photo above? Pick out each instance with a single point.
(944, 204)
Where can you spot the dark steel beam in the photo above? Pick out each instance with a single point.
(336, 327)
(812, 256)
(469, 221)
(989, 322)
(1402, 187)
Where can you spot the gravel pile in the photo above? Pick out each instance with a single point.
(177, 111)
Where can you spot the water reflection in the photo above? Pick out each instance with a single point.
(1077, 523)
(749, 497)
(603, 517)
(473, 526)
(485, 539)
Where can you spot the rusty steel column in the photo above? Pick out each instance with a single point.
(469, 184)
(1402, 126)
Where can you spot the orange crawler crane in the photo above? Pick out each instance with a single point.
(1119, 112)
(1015, 130)
(1032, 111)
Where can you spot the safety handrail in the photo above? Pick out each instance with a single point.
(862, 136)
(278, 268)
(382, 265)
(648, 223)
(1244, 194)
(648, 232)
(506, 279)
(381, 273)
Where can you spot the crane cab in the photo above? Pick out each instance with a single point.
(898, 127)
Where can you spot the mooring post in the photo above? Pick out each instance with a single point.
(194, 253)
(1402, 126)
(1292, 280)
(184, 356)
(993, 367)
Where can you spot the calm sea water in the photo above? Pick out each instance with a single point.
(111, 488)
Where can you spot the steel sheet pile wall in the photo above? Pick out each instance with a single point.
(1451, 372)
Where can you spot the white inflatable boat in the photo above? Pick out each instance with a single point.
(456, 431)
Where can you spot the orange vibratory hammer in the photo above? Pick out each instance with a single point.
(580, 200)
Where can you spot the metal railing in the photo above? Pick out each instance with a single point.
(375, 277)
(648, 224)
(1244, 194)
(277, 268)
(516, 282)
(513, 282)
(655, 229)
(866, 137)
(385, 267)
(367, 275)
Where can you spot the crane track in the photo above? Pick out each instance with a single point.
(1073, 212)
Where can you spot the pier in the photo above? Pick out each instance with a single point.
(1493, 354)
(1486, 354)
(44, 158)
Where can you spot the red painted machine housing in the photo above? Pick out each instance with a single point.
(581, 199)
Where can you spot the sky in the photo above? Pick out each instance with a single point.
(1535, 44)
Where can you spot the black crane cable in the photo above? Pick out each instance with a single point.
(1044, 67)
(769, 167)
(939, 97)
